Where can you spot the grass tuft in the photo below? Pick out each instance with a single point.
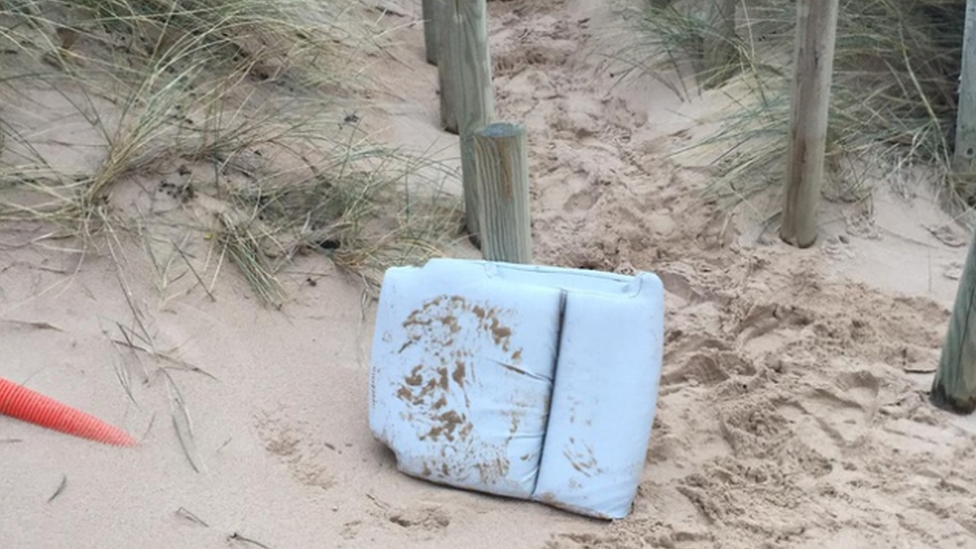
(893, 96)
(229, 107)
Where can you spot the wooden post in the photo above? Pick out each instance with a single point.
(954, 387)
(445, 12)
(965, 148)
(430, 30)
(502, 161)
(719, 53)
(814, 62)
(474, 97)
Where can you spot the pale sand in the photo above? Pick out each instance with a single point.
(790, 414)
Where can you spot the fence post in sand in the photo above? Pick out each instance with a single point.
(502, 161)
(813, 68)
(954, 386)
(474, 97)
(719, 52)
(429, 8)
(445, 12)
(964, 157)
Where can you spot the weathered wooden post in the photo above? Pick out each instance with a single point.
(501, 157)
(954, 386)
(428, 9)
(445, 12)
(816, 33)
(474, 99)
(719, 53)
(964, 157)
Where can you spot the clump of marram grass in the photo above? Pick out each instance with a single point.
(171, 71)
(893, 99)
(216, 83)
(254, 37)
(667, 40)
(365, 220)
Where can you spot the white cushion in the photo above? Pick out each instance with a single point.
(604, 399)
(462, 375)
(462, 367)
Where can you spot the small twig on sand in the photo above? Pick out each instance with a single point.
(381, 504)
(127, 293)
(182, 363)
(152, 421)
(224, 445)
(61, 487)
(184, 444)
(193, 369)
(36, 325)
(195, 273)
(237, 537)
(182, 422)
(131, 347)
(183, 513)
(123, 375)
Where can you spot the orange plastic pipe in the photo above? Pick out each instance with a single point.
(24, 404)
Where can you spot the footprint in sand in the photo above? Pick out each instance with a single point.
(812, 430)
(681, 286)
(763, 319)
(831, 419)
(422, 520)
(709, 367)
(307, 458)
(581, 201)
(761, 429)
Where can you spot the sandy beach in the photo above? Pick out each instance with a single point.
(793, 409)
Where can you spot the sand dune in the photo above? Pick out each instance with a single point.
(793, 409)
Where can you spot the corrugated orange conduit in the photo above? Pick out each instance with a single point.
(24, 404)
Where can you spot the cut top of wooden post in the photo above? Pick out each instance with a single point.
(501, 159)
(502, 129)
